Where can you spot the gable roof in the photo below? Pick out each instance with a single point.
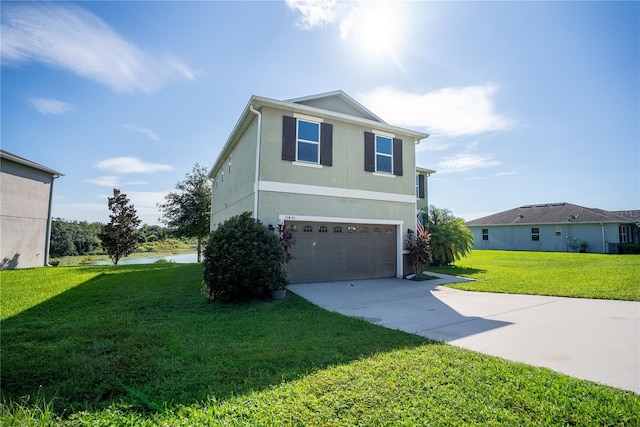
(26, 162)
(555, 213)
(345, 104)
(332, 105)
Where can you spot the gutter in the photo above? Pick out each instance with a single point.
(47, 242)
(604, 246)
(255, 181)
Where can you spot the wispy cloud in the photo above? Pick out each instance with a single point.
(465, 162)
(505, 173)
(315, 13)
(68, 37)
(131, 165)
(105, 181)
(49, 107)
(450, 112)
(146, 132)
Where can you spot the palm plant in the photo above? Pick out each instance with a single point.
(450, 238)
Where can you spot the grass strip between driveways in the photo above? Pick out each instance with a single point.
(580, 275)
(139, 345)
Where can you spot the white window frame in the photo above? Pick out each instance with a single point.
(377, 153)
(306, 141)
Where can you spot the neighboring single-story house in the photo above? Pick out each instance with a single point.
(342, 178)
(556, 227)
(26, 192)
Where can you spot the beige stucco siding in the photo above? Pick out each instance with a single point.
(347, 170)
(24, 214)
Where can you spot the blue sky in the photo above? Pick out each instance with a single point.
(526, 103)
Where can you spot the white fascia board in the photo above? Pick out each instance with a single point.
(317, 190)
(313, 111)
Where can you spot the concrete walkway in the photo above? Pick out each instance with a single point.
(597, 340)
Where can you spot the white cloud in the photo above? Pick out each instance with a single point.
(451, 112)
(314, 13)
(145, 204)
(68, 37)
(131, 165)
(505, 173)
(50, 107)
(465, 162)
(136, 183)
(146, 132)
(105, 181)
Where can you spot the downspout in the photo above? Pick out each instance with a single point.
(48, 234)
(604, 247)
(257, 177)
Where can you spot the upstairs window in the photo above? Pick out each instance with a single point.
(420, 186)
(307, 141)
(382, 154)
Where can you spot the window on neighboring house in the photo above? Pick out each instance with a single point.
(420, 186)
(624, 232)
(535, 234)
(222, 177)
(485, 234)
(558, 230)
(323, 229)
(382, 154)
(229, 165)
(337, 229)
(307, 229)
(307, 141)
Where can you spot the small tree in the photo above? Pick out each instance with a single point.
(187, 211)
(243, 260)
(119, 237)
(450, 238)
(419, 252)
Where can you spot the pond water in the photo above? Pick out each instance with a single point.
(179, 258)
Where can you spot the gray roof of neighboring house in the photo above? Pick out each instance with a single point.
(555, 213)
(21, 160)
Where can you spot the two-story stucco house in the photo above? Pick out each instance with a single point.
(344, 180)
(26, 191)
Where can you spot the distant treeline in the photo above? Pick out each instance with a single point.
(69, 238)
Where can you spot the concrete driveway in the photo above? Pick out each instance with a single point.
(597, 340)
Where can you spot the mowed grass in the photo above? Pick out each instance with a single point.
(578, 275)
(139, 345)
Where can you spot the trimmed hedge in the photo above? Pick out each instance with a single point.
(630, 248)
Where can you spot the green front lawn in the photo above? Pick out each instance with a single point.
(549, 273)
(139, 345)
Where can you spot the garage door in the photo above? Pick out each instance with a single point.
(334, 251)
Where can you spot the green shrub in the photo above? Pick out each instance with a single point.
(631, 249)
(243, 261)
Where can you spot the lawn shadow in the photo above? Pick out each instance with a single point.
(144, 335)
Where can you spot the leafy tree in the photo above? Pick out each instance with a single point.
(73, 238)
(119, 237)
(187, 211)
(419, 252)
(450, 238)
(243, 260)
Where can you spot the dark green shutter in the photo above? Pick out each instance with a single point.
(288, 138)
(369, 152)
(421, 186)
(326, 144)
(397, 156)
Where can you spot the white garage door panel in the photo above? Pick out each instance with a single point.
(335, 251)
